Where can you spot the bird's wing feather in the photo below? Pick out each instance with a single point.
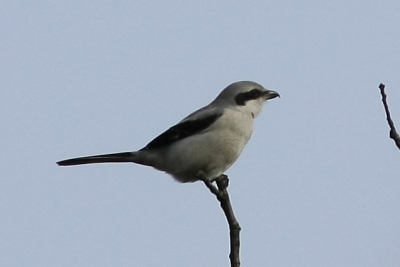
(192, 124)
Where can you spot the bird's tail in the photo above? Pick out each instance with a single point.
(116, 157)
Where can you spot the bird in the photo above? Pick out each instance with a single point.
(208, 141)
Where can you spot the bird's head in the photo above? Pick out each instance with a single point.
(246, 96)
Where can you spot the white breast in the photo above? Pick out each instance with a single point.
(212, 151)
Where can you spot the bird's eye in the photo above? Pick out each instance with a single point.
(255, 93)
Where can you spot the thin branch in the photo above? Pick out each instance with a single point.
(392, 134)
(234, 228)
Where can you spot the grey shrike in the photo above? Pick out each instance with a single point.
(207, 141)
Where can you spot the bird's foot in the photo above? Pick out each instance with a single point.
(222, 182)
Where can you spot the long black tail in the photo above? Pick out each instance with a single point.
(115, 157)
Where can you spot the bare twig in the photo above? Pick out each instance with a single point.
(234, 228)
(392, 134)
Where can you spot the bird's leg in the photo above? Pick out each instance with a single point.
(202, 177)
(212, 180)
(222, 182)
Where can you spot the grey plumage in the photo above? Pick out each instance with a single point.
(209, 140)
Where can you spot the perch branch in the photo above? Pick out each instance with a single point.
(221, 192)
(392, 134)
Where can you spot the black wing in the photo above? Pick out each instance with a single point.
(182, 130)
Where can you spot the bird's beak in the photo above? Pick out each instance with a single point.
(269, 94)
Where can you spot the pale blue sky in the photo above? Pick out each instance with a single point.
(318, 184)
